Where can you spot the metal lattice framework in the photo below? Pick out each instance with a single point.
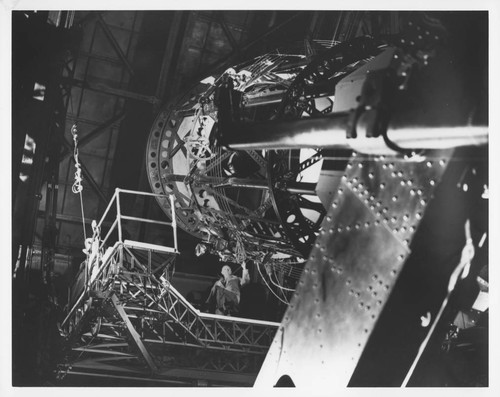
(222, 195)
(130, 319)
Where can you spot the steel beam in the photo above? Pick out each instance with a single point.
(169, 57)
(98, 351)
(135, 336)
(103, 88)
(115, 44)
(71, 219)
(80, 119)
(128, 378)
(95, 133)
(292, 187)
(99, 57)
(227, 32)
(91, 16)
(66, 218)
(214, 67)
(104, 126)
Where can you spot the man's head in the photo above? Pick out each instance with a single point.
(226, 271)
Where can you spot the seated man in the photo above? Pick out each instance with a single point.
(227, 290)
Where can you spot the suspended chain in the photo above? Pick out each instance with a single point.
(77, 187)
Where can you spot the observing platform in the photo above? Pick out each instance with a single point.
(128, 319)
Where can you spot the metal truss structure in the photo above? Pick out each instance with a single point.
(219, 147)
(394, 227)
(129, 320)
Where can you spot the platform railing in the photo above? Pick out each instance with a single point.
(117, 224)
(140, 291)
(206, 330)
(123, 274)
(105, 259)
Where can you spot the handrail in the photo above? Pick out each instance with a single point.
(185, 314)
(128, 191)
(107, 209)
(236, 319)
(117, 223)
(113, 226)
(145, 220)
(200, 314)
(204, 327)
(120, 216)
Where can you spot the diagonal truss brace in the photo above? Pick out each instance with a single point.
(135, 336)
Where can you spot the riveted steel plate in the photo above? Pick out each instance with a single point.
(352, 269)
(397, 190)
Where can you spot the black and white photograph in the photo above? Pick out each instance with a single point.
(224, 196)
